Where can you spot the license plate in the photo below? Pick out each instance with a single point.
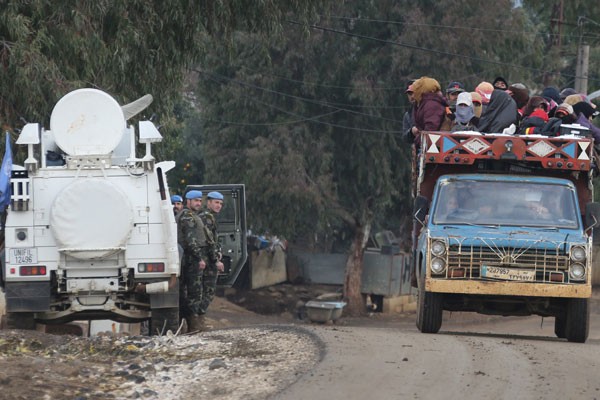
(508, 274)
(23, 256)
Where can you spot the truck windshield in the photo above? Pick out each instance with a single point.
(508, 203)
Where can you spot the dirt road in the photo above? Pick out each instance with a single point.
(249, 356)
(494, 358)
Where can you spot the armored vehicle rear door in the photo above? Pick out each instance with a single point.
(231, 228)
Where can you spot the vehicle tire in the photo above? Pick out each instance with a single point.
(560, 326)
(429, 311)
(163, 320)
(19, 320)
(578, 320)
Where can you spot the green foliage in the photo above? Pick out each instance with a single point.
(127, 48)
(312, 122)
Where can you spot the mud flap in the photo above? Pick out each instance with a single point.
(27, 296)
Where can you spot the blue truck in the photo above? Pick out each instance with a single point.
(503, 226)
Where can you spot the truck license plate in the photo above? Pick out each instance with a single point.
(508, 274)
(23, 256)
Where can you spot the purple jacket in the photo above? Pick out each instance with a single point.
(583, 120)
(429, 114)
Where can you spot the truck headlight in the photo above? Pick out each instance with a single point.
(577, 272)
(577, 253)
(438, 248)
(438, 265)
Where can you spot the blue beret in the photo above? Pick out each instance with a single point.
(215, 195)
(193, 194)
(176, 199)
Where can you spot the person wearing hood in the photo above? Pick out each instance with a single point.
(465, 119)
(552, 95)
(585, 114)
(500, 83)
(520, 95)
(534, 103)
(499, 114)
(535, 118)
(566, 92)
(430, 107)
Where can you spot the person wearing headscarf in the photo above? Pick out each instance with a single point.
(430, 107)
(485, 90)
(465, 119)
(500, 113)
(477, 104)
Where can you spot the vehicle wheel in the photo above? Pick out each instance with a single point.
(429, 311)
(20, 320)
(578, 320)
(163, 320)
(560, 326)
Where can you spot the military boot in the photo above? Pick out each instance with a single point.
(196, 323)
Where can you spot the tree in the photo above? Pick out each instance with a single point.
(312, 122)
(127, 48)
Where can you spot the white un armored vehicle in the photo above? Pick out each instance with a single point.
(90, 232)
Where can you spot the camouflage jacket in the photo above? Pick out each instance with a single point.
(212, 238)
(191, 234)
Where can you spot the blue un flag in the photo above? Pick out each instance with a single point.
(5, 172)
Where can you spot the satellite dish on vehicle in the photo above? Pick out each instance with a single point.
(87, 122)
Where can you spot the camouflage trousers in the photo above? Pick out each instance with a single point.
(197, 289)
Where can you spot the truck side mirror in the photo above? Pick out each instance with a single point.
(592, 220)
(421, 208)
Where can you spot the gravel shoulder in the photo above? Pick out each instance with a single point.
(254, 362)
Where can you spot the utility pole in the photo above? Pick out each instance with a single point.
(581, 71)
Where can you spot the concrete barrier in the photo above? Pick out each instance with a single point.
(267, 268)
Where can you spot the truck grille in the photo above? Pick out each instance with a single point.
(549, 265)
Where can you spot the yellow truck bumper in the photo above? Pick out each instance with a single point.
(509, 288)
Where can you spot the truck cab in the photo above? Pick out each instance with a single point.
(504, 227)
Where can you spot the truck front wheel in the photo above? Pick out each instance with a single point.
(19, 320)
(163, 320)
(560, 326)
(578, 320)
(429, 311)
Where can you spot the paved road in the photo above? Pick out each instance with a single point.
(492, 358)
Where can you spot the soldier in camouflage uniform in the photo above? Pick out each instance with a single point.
(191, 235)
(214, 203)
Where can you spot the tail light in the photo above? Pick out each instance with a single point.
(32, 271)
(151, 267)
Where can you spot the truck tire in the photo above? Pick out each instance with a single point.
(560, 326)
(19, 320)
(163, 320)
(429, 311)
(578, 320)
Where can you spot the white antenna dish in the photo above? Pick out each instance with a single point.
(87, 122)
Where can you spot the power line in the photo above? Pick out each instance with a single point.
(419, 48)
(297, 121)
(309, 119)
(452, 26)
